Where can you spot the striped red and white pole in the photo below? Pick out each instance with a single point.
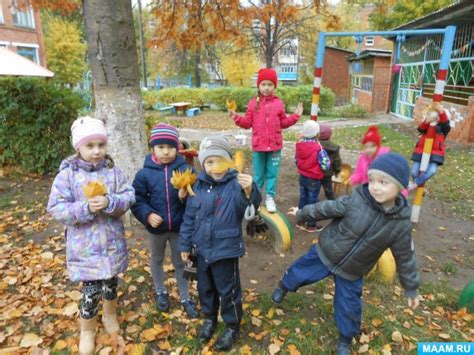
(428, 146)
(316, 93)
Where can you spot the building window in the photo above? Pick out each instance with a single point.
(288, 68)
(369, 41)
(28, 52)
(1, 14)
(24, 18)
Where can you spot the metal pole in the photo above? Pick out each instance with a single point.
(318, 73)
(431, 132)
(142, 47)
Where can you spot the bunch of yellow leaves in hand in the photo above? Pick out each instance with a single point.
(94, 188)
(184, 179)
(231, 105)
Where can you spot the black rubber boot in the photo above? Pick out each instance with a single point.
(230, 336)
(207, 329)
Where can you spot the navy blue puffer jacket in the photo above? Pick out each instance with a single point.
(213, 218)
(155, 194)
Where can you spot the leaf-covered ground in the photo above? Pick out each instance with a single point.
(38, 305)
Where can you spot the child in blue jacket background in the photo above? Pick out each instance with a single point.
(160, 208)
(213, 225)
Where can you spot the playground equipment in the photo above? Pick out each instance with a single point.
(466, 299)
(448, 40)
(385, 268)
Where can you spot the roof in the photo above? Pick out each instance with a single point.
(13, 64)
(370, 53)
(340, 49)
(459, 13)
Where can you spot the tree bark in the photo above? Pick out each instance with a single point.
(112, 56)
(197, 65)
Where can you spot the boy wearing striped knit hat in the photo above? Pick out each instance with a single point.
(160, 208)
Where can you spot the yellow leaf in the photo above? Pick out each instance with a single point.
(245, 350)
(75, 295)
(363, 349)
(270, 313)
(387, 349)
(256, 312)
(256, 322)
(70, 309)
(327, 296)
(397, 337)
(164, 345)
(376, 322)
(407, 325)
(231, 105)
(253, 282)
(136, 349)
(30, 340)
(132, 328)
(274, 349)
(60, 345)
(149, 334)
(293, 349)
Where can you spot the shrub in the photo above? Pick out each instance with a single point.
(352, 111)
(290, 95)
(35, 121)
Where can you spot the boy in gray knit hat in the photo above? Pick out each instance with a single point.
(213, 225)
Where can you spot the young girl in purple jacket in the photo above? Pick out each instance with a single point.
(96, 249)
(266, 116)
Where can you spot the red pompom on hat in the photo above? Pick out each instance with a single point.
(372, 135)
(267, 74)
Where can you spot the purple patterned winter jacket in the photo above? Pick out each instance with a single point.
(95, 243)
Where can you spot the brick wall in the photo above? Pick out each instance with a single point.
(364, 99)
(336, 74)
(11, 33)
(381, 84)
(463, 132)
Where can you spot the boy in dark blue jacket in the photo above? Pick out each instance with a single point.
(160, 208)
(213, 225)
(375, 217)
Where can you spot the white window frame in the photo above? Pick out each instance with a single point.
(369, 41)
(2, 20)
(30, 15)
(29, 45)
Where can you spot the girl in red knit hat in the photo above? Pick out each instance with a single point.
(266, 116)
(373, 148)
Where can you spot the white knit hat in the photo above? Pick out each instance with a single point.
(86, 129)
(310, 129)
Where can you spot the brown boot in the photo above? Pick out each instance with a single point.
(87, 341)
(109, 317)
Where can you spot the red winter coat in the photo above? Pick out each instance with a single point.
(307, 159)
(439, 145)
(266, 123)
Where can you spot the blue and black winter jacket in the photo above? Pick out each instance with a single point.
(213, 218)
(155, 194)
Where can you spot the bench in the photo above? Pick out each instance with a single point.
(193, 111)
(164, 109)
(205, 106)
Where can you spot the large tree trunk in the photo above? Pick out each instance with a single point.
(112, 56)
(197, 68)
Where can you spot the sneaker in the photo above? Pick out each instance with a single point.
(190, 308)
(343, 348)
(279, 293)
(270, 204)
(162, 301)
(207, 329)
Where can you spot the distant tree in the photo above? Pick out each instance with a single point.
(239, 67)
(65, 50)
(389, 14)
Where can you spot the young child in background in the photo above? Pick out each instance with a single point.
(160, 208)
(96, 250)
(266, 116)
(372, 142)
(309, 168)
(332, 149)
(373, 218)
(213, 225)
(439, 115)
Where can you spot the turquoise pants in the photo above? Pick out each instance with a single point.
(266, 167)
